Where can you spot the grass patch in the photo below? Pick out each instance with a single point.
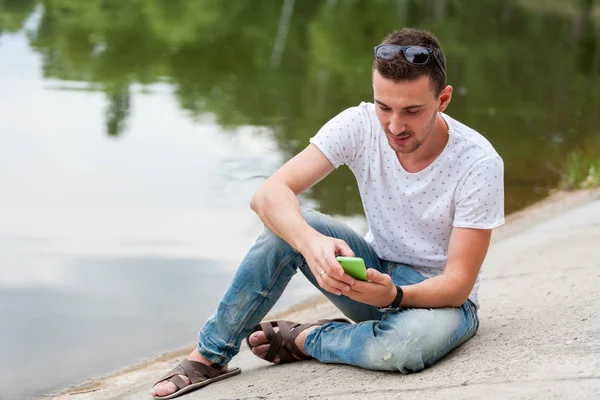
(580, 171)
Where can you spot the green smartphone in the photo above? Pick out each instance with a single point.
(354, 266)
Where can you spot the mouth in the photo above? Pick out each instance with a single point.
(400, 139)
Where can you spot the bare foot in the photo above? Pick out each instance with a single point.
(166, 388)
(260, 345)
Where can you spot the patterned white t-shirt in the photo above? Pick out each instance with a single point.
(411, 215)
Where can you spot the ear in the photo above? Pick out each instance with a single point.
(445, 97)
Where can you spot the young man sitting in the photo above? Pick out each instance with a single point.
(432, 190)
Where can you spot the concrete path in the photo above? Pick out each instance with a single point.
(539, 336)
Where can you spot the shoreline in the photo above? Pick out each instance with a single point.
(519, 221)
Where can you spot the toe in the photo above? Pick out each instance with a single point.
(261, 355)
(260, 344)
(158, 389)
(263, 348)
(258, 338)
(166, 388)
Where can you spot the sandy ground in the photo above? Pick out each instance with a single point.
(539, 336)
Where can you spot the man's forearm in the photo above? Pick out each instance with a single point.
(466, 253)
(278, 208)
(441, 291)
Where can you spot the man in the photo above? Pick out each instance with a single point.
(432, 191)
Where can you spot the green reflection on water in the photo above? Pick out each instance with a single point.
(525, 74)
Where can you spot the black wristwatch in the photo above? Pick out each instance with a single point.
(396, 303)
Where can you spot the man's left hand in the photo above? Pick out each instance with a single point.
(378, 290)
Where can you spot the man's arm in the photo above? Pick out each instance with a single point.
(276, 204)
(466, 252)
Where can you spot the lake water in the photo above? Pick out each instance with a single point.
(134, 134)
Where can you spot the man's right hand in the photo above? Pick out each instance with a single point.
(320, 252)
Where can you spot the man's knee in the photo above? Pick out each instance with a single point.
(272, 242)
(322, 223)
(312, 217)
(415, 341)
(392, 353)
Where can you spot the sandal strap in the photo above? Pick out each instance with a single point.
(195, 371)
(289, 331)
(275, 345)
(180, 383)
(287, 337)
(283, 343)
(291, 343)
(273, 340)
(267, 329)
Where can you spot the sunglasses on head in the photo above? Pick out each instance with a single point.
(417, 55)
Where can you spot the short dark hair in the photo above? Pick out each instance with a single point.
(398, 69)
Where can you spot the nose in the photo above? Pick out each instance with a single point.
(396, 125)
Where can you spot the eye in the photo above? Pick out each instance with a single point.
(384, 109)
(413, 112)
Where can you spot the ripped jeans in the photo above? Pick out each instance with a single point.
(407, 340)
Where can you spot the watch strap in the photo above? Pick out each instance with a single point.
(397, 300)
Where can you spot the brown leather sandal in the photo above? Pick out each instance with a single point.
(199, 374)
(281, 343)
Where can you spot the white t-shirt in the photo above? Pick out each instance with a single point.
(411, 215)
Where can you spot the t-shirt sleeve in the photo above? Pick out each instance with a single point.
(342, 138)
(480, 198)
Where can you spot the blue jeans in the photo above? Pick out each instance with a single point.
(407, 340)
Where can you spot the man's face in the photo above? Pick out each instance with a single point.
(407, 111)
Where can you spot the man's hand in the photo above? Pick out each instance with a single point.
(319, 253)
(378, 291)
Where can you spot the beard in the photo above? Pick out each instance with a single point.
(414, 141)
